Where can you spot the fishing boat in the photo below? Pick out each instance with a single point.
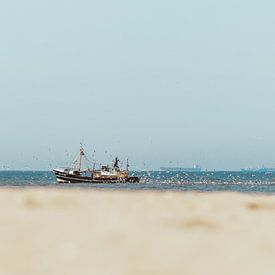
(105, 174)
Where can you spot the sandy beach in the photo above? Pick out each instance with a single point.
(49, 231)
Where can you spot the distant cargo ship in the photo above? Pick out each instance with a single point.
(196, 168)
(259, 169)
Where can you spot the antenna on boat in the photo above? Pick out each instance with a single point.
(127, 165)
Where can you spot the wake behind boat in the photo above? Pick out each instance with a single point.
(105, 174)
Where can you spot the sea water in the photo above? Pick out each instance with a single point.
(156, 180)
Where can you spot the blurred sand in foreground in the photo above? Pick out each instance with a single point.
(48, 231)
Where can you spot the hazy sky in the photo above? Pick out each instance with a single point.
(161, 82)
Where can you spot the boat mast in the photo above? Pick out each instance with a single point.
(81, 154)
(77, 163)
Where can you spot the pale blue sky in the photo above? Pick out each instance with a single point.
(161, 82)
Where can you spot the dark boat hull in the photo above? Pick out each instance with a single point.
(70, 178)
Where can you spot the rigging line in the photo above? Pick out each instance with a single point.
(88, 156)
(92, 162)
(87, 159)
(87, 149)
(75, 159)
